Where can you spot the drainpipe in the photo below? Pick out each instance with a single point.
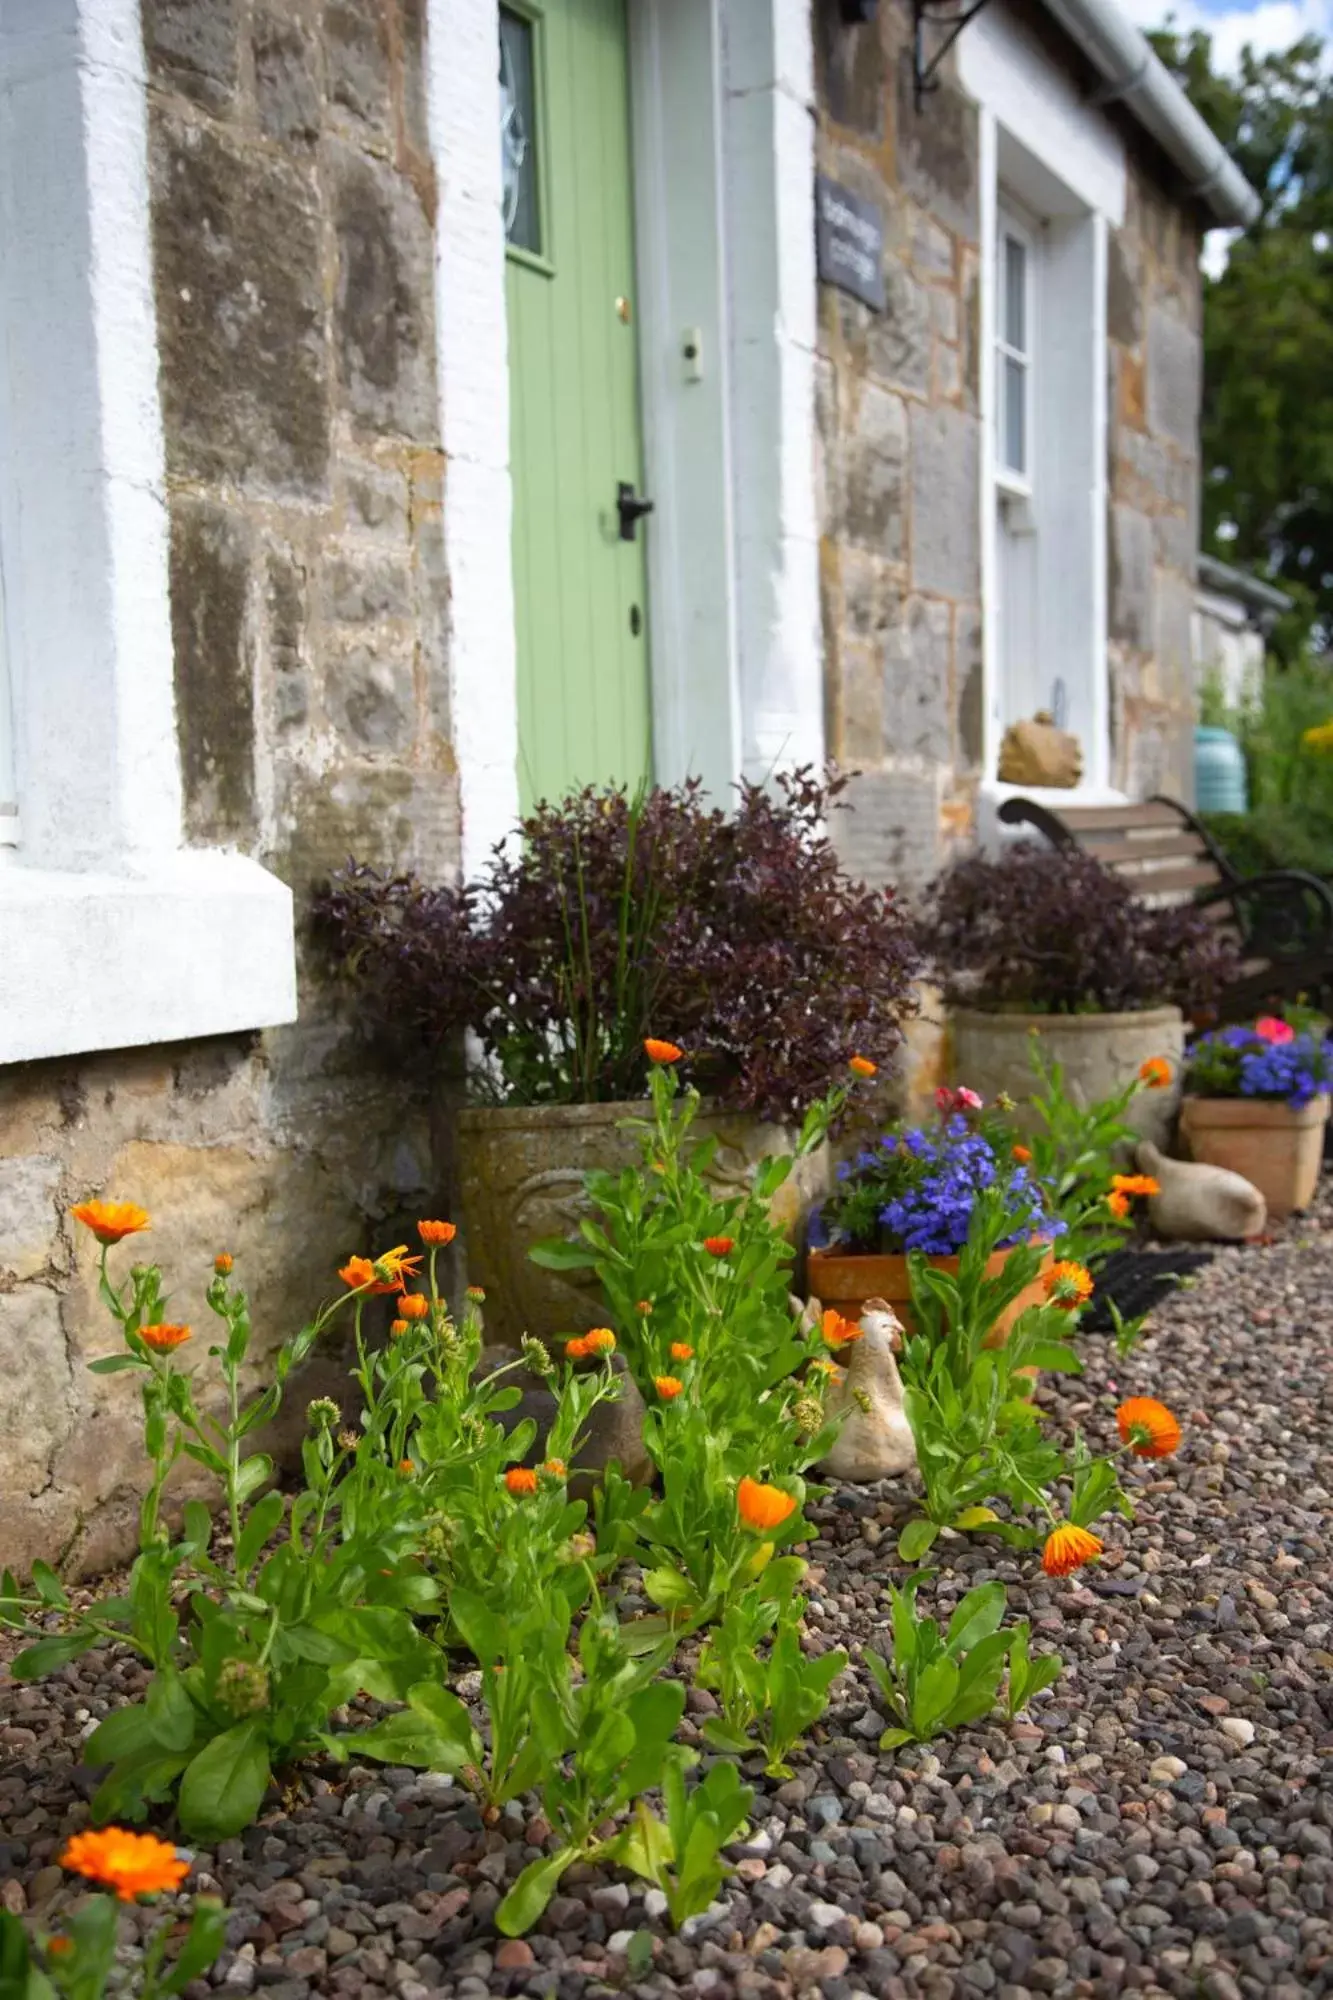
(1136, 77)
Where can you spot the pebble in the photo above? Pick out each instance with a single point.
(1239, 1728)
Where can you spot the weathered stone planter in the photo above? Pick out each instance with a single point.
(838, 1278)
(1275, 1148)
(1099, 1054)
(521, 1174)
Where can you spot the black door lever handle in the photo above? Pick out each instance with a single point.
(631, 508)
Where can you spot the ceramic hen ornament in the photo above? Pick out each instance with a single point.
(876, 1440)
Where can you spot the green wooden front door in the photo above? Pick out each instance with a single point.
(579, 587)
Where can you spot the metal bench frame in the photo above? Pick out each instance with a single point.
(1282, 920)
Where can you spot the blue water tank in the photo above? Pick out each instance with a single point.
(1219, 772)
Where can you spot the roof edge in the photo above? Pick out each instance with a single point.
(1136, 77)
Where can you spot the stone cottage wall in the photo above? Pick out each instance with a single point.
(898, 477)
(293, 204)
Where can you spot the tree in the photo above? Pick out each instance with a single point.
(1268, 318)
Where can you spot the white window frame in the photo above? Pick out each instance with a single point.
(1011, 225)
(116, 934)
(1043, 146)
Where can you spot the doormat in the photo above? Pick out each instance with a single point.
(1136, 1281)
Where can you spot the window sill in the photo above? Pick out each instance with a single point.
(200, 944)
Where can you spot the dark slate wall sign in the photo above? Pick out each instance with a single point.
(849, 242)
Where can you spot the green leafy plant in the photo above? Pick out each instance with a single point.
(680, 1852)
(253, 1647)
(939, 1681)
(979, 1434)
(770, 1692)
(1076, 1152)
(698, 1294)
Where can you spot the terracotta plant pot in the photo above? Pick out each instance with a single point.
(521, 1174)
(1099, 1054)
(1275, 1148)
(837, 1278)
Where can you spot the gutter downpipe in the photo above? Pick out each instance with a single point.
(1135, 76)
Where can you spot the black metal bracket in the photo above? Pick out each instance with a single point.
(925, 68)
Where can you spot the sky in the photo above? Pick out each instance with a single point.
(1268, 24)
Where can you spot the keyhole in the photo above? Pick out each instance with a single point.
(635, 620)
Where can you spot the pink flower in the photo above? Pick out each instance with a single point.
(1270, 1029)
(944, 1098)
(965, 1099)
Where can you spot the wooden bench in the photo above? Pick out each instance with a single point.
(1282, 920)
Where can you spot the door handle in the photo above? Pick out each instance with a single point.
(631, 507)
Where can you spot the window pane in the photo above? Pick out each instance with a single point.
(518, 132)
(1013, 403)
(1015, 294)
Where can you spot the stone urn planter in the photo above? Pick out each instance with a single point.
(1278, 1148)
(846, 1280)
(521, 1172)
(1099, 1054)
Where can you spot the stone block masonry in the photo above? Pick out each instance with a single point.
(293, 206)
(1155, 368)
(899, 459)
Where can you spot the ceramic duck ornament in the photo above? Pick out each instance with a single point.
(1199, 1203)
(876, 1440)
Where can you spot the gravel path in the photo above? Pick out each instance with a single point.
(1164, 1825)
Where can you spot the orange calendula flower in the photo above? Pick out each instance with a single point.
(556, 1468)
(576, 1350)
(644, 1308)
(1068, 1285)
(1118, 1203)
(476, 1294)
(521, 1480)
(762, 1507)
(133, 1864)
(668, 1387)
(719, 1246)
(1148, 1427)
(396, 1264)
(661, 1052)
(164, 1336)
(681, 1351)
(1156, 1072)
(406, 1467)
(1068, 1548)
(837, 1331)
(110, 1221)
(1135, 1184)
(414, 1305)
(862, 1066)
(223, 1262)
(360, 1274)
(397, 1328)
(601, 1340)
(437, 1234)
(59, 1947)
(829, 1368)
(1023, 1155)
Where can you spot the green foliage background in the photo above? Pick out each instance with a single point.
(1268, 321)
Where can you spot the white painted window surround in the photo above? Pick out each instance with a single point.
(722, 95)
(114, 933)
(1053, 177)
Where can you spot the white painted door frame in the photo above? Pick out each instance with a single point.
(722, 97)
